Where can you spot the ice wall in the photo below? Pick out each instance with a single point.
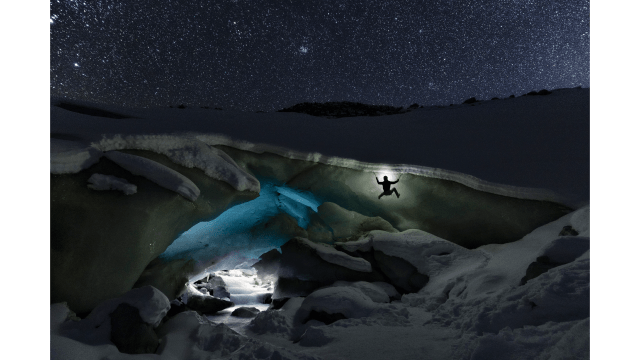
(237, 230)
(445, 207)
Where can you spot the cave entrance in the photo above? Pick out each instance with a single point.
(237, 237)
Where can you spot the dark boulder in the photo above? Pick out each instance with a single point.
(324, 317)
(470, 101)
(268, 264)
(511, 96)
(130, 334)
(568, 231)
(537, 268)
(544, 92)
(400, 272)
(495, 98)
(207, 304)
(532, 93)
(245, 312)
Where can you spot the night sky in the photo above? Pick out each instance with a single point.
(269, 54)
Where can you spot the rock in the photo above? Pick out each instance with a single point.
(245, 312)
(207, 304)
(511, 96)
(544, 92)
(130, 334)
(343, 109)
(470, 101)
(564, 250)
(168, 277)
(212, 285)
(268, 264)
(278, 303)
(568, 231)
(266, 299)
(177, 307)
(532, 93)
(537, 268)
(495, 98)
(401, 273)
(324, 317)
(414, 106)
(350, 225)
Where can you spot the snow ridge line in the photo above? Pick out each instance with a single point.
(464, 179)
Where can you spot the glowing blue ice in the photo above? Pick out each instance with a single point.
(231, 231)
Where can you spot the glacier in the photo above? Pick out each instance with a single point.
(486, 191)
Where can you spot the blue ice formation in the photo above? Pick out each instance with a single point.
(230, 233)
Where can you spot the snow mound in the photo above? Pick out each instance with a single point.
(151, 302)
(158, 173)
(373, 291)
(188, 152)
(110, 182)
(431, 255)
(68, 157)
(346, 300)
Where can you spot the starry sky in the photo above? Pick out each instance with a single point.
(269, 54)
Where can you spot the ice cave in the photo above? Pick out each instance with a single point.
(212, 234)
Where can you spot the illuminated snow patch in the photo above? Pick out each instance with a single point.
(246, 290)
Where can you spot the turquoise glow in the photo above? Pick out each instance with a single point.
(230, 233)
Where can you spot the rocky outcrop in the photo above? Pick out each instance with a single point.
(343, 109)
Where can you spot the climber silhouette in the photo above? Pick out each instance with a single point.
(386, 187)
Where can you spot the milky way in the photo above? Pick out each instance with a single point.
(270, 54)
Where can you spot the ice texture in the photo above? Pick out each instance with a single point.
(188, 152)
(68, 157)
(110, 182)
(156, 172)
(331, 255)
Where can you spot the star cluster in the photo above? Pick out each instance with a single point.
(269, 54)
